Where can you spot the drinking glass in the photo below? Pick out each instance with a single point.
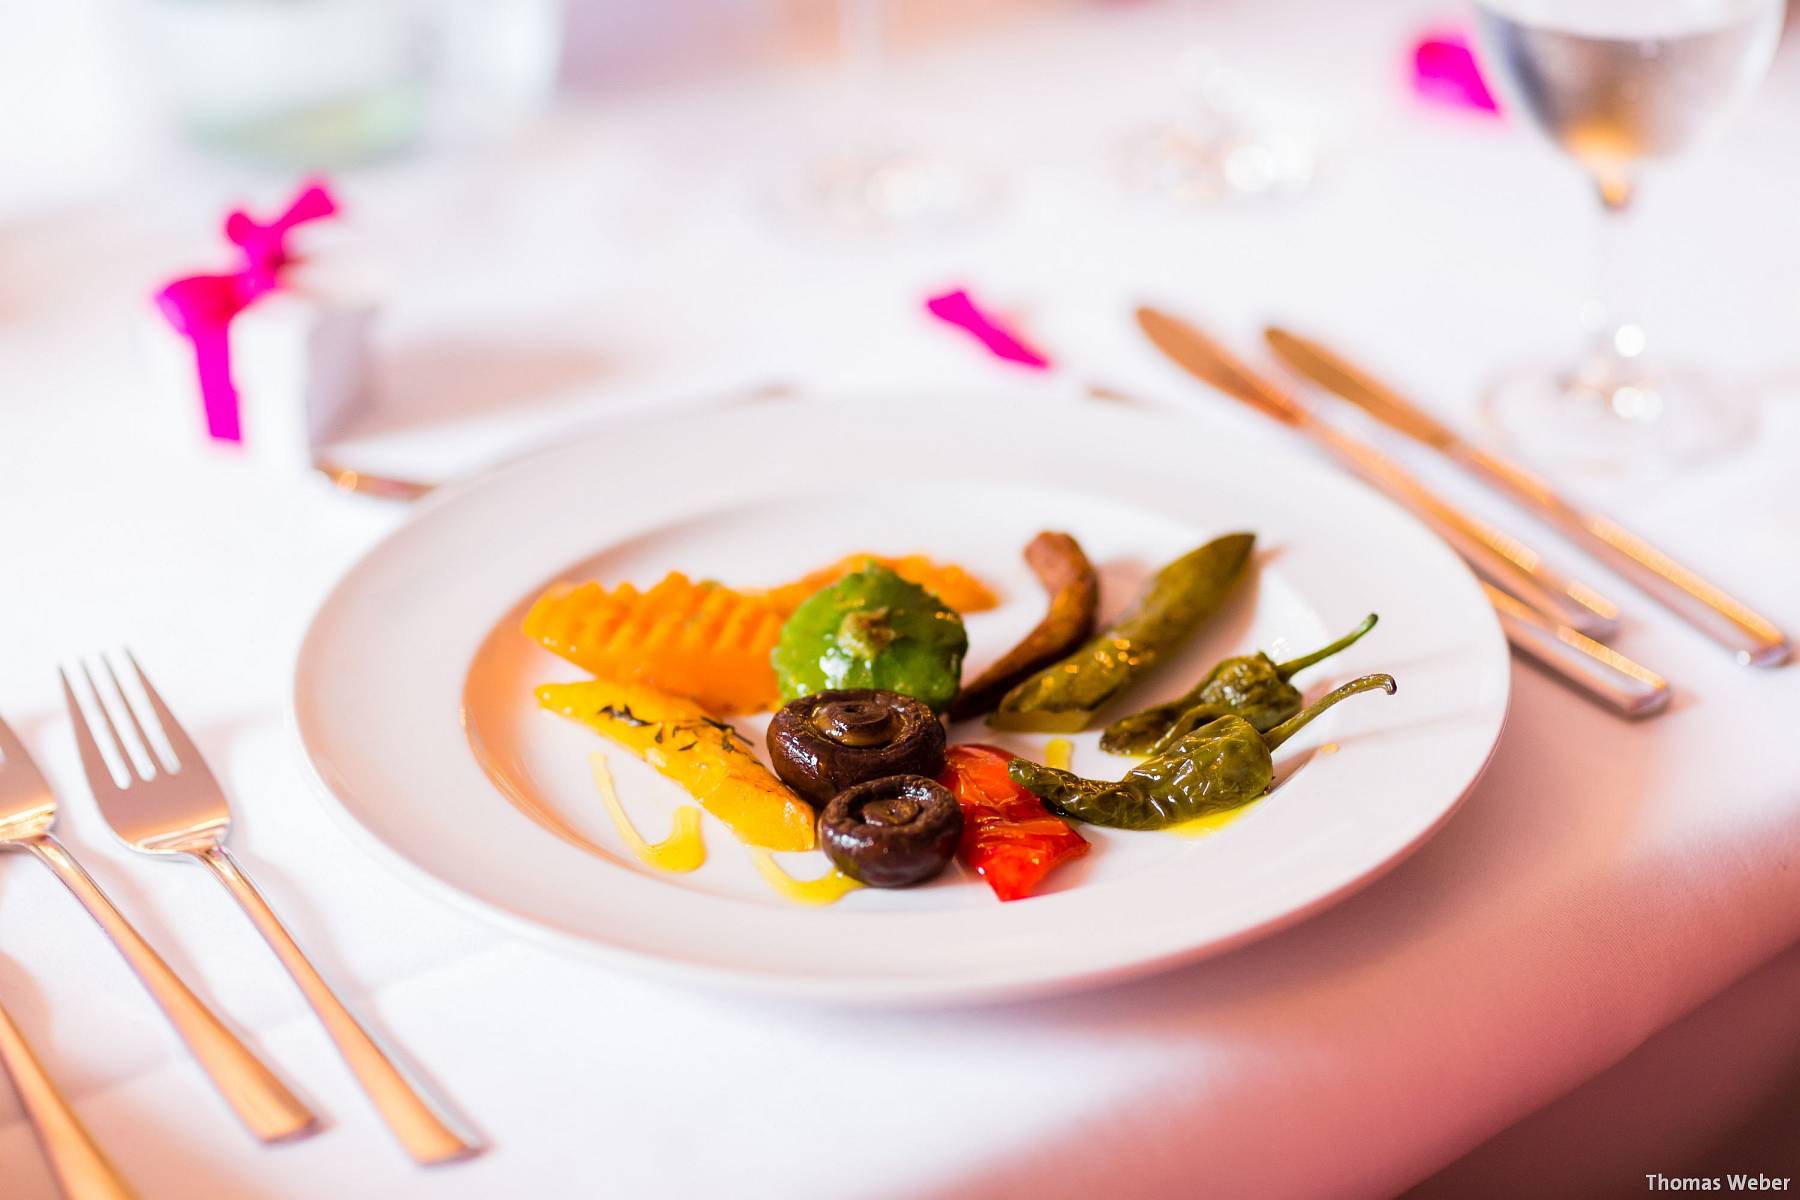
(870, 182)
(1616, 84)
(1214, 147)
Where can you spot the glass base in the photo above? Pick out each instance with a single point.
(877, 191)
(1596, 420)
(1213, 158)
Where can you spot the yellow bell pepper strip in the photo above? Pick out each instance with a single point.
(701, 753)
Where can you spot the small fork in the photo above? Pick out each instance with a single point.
(27, 816)
(177, 808)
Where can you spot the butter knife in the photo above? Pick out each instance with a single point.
(1753, 638)
(1499, 556)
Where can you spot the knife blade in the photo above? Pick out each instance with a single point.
(1497, 555)
(1751, 637)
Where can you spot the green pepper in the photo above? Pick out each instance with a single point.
(1253, 687)
(1221, 765)
(1064, 696)
(872, 629)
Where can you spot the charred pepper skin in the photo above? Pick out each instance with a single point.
(1224, 764)
(1253, 687)
(1064, 696)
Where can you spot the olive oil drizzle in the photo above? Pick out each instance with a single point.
(682, 851)
(1211, 823)
(827, 889)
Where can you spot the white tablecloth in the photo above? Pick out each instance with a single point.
(1604, 879)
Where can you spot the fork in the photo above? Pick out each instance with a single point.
(80, 1167)
(27, 816)
(177, 808)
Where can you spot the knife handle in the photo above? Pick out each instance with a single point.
(1622, 685)
(1754, 639)
(1500, 557)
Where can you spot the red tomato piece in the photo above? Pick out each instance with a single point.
(1009, 838)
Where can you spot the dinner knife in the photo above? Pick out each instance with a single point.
(1626, 687)
(1753, 638)
(1500, 557)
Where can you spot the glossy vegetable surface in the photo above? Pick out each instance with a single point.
(1253, 687)
(872, 629)
(1074, 587)
(828, 741)
(701, 753)
(702, 641)
(891, 832)
(1221, 765)
(1064, 696)
(1009, 838)
(947, 581)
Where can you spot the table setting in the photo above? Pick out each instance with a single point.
(794, 555)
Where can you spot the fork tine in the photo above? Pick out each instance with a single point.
(187, 755)
(131, 715)
(92, 761)
(118, 743)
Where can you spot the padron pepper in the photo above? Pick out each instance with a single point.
(1222, 765)
(1064, 696)
(872, 629)
(1252, 686)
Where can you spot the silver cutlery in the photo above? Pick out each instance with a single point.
(1603, 673)
(175, 807)
(1751, 637)
(1597, 671)
(255, 1093)
(1501, 557)
(79, 1166)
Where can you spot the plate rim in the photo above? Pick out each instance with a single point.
(895, 992)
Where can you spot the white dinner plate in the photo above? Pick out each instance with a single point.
(413, 689)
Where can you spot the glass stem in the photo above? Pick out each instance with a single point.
(1618, 340)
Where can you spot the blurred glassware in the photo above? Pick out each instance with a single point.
(1615, 83)
(1217, 146)
(325, 83)
(872, 182)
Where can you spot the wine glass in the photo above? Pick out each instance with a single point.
(871, 182)
(1616, 84)
(1215, 145)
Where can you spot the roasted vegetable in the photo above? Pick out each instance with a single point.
(1221, 765)
(828, 741)
(1253, 687)
(872, 629)
(1074, 587)
(1064, 696)
(947, 581)
(701, 641)
(891, 832)
(701, 753)
(1009, 838)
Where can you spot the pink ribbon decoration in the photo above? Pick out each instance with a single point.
(201, 307)
(958, 309)
(1444, 69)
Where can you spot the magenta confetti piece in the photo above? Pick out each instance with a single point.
(201, 307)
(1444, 69)
(958, 309)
